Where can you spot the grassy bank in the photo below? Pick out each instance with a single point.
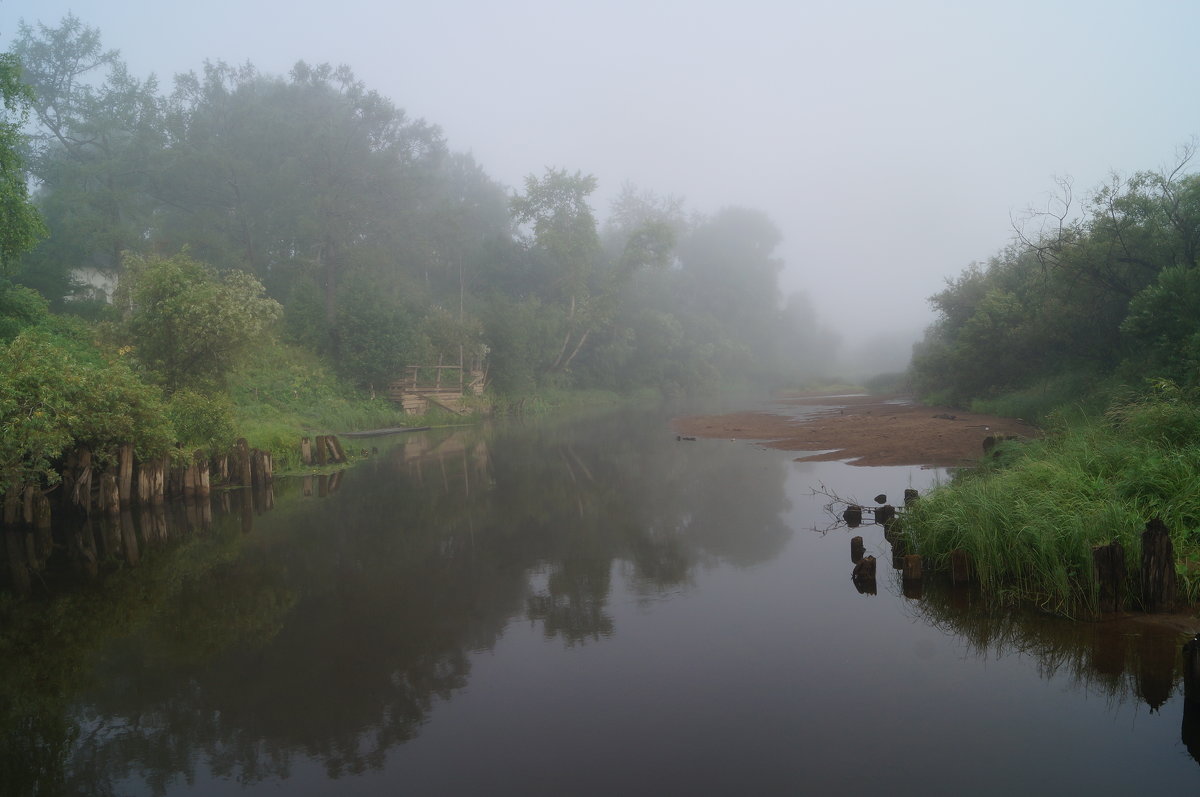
(283, 393)
(1030, 518)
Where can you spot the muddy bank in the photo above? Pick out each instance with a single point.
(866, 430)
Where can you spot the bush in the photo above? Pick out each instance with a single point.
(56, 394)
(201, 421)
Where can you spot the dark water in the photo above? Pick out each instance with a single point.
(583, 607)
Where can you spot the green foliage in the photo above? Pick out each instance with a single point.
(189, 325)
(56, 394)
(377, 335)
(385, 249)
(19, 308)
(1164, 318)
(1115, 292)
(282, 392)
(201, 421)
(1073, 393)
(1029, 521)
(20, 225)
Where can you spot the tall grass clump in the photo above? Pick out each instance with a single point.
(1029, 521)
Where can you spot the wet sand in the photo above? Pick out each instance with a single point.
(865, 430)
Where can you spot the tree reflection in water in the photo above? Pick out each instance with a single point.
(229, 640)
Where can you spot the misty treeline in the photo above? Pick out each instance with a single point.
(382, 247)
(1090, 295)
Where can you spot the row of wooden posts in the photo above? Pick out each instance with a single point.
(128, 482)
(1157, 583)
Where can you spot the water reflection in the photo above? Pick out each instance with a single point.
(324, 621)
(1119, 659)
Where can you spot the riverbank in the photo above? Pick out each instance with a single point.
(1032, 557)
(865, 430)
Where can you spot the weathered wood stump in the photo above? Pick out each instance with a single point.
(910, 496)
(1158, 567)
(1108, 567)
(241, 462)
(856, 549)
(81, 489)
(321, 449)
(885, 514)
(306, 453)
(960, 566)
(203, 479)
(125, 474)
(853, 516)
(912, 567)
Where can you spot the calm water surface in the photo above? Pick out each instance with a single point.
(560, 608)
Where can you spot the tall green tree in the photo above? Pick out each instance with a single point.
(305, 177)
(20, 225)
(98, 135)
(190, 325)
(563, 237)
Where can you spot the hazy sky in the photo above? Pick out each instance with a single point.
(890, 141)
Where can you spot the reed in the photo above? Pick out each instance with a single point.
(1030, 521)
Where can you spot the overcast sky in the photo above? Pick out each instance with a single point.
(890, 141)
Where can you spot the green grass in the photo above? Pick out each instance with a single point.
(1074, 394)
(285, 393)
(1029, 521)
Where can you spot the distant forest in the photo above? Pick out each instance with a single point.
(382, 247)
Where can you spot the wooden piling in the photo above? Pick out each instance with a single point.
(912, 567)
(853, 516)
(960, 566)
(321, 449)
(864, 569)
(125, 474)
(81, 491)
(241, 462)
(188, 480)
(910, 497)
(203, 479)
(1108, 567)
(884, 514)
(1158, 567)
(306, 454)
(856, 549)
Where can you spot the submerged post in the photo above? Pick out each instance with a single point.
(1158, 567)
(856, 549)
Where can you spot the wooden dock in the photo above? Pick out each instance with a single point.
(442, 386)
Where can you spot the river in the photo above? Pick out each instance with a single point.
(575, 606)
